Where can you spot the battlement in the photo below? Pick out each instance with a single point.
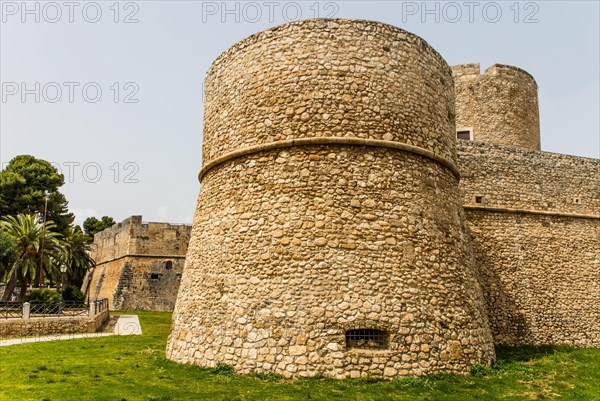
(132, 236)
(509, 71)
(473, 71)
(466, 70)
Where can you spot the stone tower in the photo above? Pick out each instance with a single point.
(329, 235)
(499, 106)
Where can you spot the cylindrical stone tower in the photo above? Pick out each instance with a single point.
(499, 106)
(329, 235)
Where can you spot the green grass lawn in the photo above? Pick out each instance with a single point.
(135, 368)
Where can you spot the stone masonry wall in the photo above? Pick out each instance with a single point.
(329, 202)
(511, 177)
(500, 105)
(536, 242)
(133, 237)
(315, 79)
(149, 284)
(540, 276)
(139, 265)
(105, 279)
(50, 326)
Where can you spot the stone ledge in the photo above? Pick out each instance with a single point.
(529, 211)
(133, 255)
(379, 143)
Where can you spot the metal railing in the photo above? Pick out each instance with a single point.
(68, 309)
(11, 310)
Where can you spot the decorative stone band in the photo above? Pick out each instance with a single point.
(379, 143)
(142, 256)
(530, 211)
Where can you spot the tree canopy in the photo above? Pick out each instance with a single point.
(92, 225)
(22, 186)
(27, 244)
(29, 237)
(7, 253)
(76, 254)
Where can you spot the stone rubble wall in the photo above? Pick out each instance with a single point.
(288, 255)
(500, 105)
(540, 273)
(295, 243)
(512, 177)
(138, 290)
(114, 242)
(314, 78)
(540, 276)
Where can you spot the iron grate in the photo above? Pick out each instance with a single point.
(367, 339)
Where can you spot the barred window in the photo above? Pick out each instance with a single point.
(465, 134)
(367, 339)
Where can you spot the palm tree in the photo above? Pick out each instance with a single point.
(27, 232)
(75, 253)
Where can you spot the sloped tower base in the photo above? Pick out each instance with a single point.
(329, 237)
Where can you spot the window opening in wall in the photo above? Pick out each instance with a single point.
(465, 134)
(478, 199)
(154, 276)
(168, 265)
(367, 339)
(577, 201)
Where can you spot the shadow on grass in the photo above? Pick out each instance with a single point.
(517, 359)
(525, 353)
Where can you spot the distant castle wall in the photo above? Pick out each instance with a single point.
(534, 218)
(499, 106)
(139, 265)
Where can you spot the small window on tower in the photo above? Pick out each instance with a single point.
(154, 276)
(478, 199)
(464, 135)
(367, 339)
(168, 264)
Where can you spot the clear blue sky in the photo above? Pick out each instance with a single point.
(123, 158)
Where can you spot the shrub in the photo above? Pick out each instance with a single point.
(43, 295)
(72, 294)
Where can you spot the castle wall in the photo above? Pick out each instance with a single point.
(329, 202)
(536, 237)
(512, 177)
(139, 265)
(500, 105)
